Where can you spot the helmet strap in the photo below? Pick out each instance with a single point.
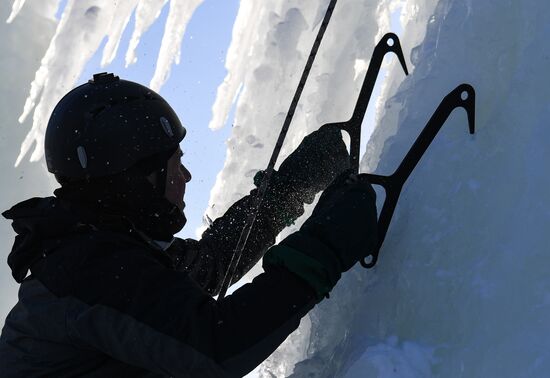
(154, 168)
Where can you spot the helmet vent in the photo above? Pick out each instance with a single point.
(166, 126)
(95, 112)
(104, 78)
(81, 152)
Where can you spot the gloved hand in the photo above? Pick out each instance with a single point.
(320, 157)
(341, 231)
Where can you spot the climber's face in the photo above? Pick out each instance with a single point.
(176, 178)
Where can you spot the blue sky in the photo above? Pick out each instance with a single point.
(191, 90)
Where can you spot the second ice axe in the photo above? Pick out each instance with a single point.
(462, 96)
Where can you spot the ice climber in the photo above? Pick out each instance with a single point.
(106, 288)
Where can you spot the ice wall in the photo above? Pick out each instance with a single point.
(265, 61)
(23, 43)
(461, 289)
(269, 49)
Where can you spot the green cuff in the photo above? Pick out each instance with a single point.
(304, 266)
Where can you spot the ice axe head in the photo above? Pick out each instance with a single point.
(468, 101)
(391, 42)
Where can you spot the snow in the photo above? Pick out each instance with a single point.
(461, 287)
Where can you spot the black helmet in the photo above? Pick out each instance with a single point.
(106, 126)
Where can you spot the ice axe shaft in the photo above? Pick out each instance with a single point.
(462, 96)
(245, 233)
(388, 43)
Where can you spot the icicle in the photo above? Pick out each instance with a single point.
(238, 52)
(147, 12)
(15, 9)
(82, 27)
(84, 21)
(180, 13)
(123, 10)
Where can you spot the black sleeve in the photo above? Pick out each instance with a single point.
(207, 260)
(159, 319)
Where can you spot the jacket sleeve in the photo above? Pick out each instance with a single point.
(207, 260)
(159, 319)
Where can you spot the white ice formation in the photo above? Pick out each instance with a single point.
(23, 43)
(461, 288)
(83, 26)
(267, 62)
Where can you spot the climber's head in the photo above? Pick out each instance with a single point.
(117, 142)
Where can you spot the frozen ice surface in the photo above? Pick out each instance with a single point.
(464, 267)
(23, 42)
(391, 360)
(266, 63)
(461, 288)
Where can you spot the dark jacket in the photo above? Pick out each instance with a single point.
(106, 303)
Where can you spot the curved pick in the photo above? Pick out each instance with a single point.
(468, 102)
(391, 40)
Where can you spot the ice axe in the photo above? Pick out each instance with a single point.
(462, 96)
(388, 43)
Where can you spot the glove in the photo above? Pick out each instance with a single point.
(341, 231)
(320, 157)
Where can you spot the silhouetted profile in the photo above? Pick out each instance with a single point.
(106, 288)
